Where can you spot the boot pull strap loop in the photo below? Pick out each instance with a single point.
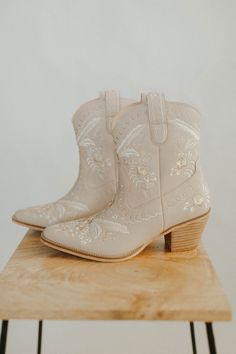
(112, 106)
(157, 117)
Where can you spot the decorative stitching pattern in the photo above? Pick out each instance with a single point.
(198, 200)
(139, 170)
(95, 157)
(186, 158)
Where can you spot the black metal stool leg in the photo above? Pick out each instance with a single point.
(211, 339)
(193, 337)
(40, 330)
(3, 340)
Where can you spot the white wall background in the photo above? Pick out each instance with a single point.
(55, 54)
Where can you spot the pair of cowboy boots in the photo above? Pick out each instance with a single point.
(140, 178)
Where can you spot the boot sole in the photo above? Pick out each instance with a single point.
(29, 226)
(179, 238)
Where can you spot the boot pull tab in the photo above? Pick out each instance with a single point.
(112, 106)
(157, 117)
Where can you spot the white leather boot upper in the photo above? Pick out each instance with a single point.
(160, 181)
(95, 186)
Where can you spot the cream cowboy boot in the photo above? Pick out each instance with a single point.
(161, 191)
(95, 186)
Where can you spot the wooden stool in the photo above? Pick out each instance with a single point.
(41, 283)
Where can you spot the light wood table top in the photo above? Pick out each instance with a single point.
(41, 283)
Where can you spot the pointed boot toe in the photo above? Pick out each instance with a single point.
(37, 217)
(27, 217)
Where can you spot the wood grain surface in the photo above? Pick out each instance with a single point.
(42, 283)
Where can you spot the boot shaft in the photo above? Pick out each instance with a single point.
(157, 143)
(92, 122)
